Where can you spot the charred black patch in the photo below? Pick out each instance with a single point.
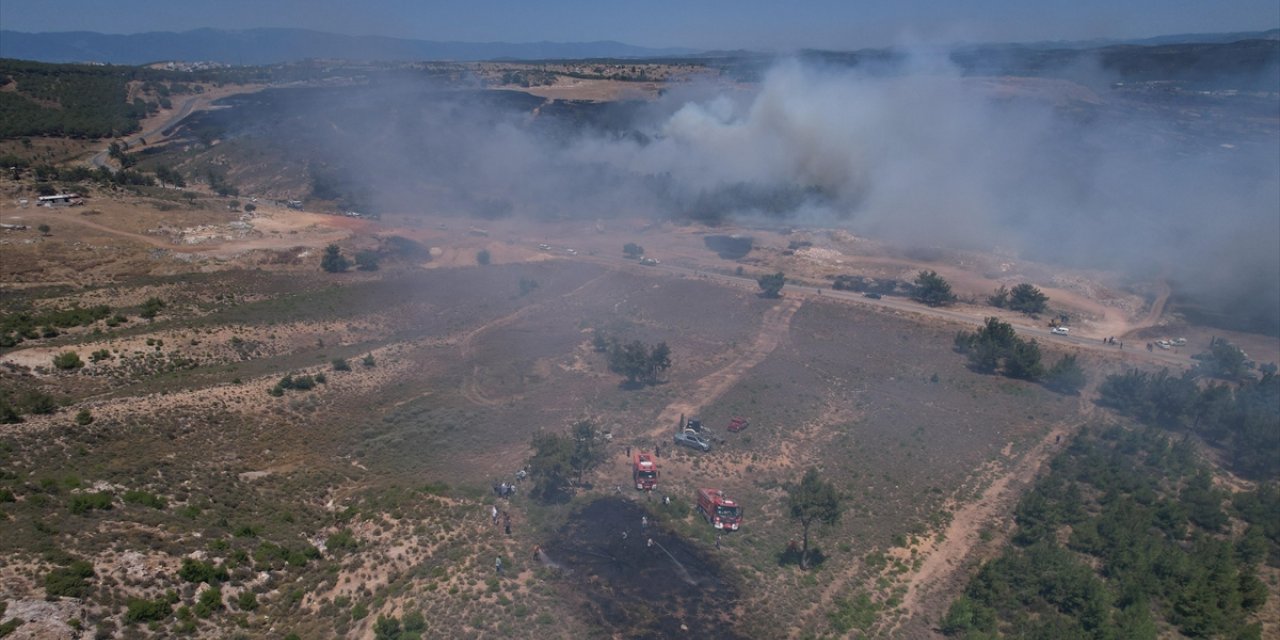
(629, 587)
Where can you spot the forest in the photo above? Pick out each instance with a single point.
(1126, 536)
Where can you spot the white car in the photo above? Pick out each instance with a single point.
(1061, 331)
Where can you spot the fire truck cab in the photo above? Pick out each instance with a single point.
(719, 510)
(644, 471)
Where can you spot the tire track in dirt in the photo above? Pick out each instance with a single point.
(773, 327)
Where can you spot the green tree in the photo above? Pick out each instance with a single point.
(999, 299)
(1023, 361)
(551, 465)
(333, 261)
(587, 453)
(1027, 299)
(1224, 360)
(771, 285)
(932, 289)
(996, 347)
(483, 257)
(1066, 376)
(814, 500)
(632, 250)
(659, 360)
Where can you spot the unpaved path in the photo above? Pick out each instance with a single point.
(1156, 310)
(929, 588)
(940, 577)
(774, 326)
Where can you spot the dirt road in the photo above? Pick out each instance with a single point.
(968, 315)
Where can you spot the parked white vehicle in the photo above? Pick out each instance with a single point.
(1061, 331)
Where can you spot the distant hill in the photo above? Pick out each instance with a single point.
(269, 46)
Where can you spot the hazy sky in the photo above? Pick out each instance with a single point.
(749, 24)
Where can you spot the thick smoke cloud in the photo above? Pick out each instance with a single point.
(923, 156)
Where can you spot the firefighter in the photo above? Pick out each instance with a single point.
(497, 565)
(644, 523)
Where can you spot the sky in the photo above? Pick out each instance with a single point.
(697, 24)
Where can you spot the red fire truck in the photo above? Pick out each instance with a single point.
(719, 510)
(644, 471)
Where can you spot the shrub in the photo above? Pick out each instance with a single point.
(84, 417)
(341, 540)
(247, 601)
(482, 257)
(151, 308)
(198, 571)
(70, 581)
(144, 498)
(67, 361)
(340, 364)
(40, 403)
(209, 603)
(84, 502)
(140, 610)
(367, 261)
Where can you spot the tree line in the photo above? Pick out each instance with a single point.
(1243, 419)
(996, 348)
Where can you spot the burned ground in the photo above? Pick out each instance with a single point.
(633, 589)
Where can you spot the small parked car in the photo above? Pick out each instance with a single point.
(737, 424)
(1060, 331)
(691, 439)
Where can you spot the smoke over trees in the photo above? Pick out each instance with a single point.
(918, 154)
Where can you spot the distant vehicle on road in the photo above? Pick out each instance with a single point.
(873, 295)
(648, 262)
(737, 424)
(1060, 331)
